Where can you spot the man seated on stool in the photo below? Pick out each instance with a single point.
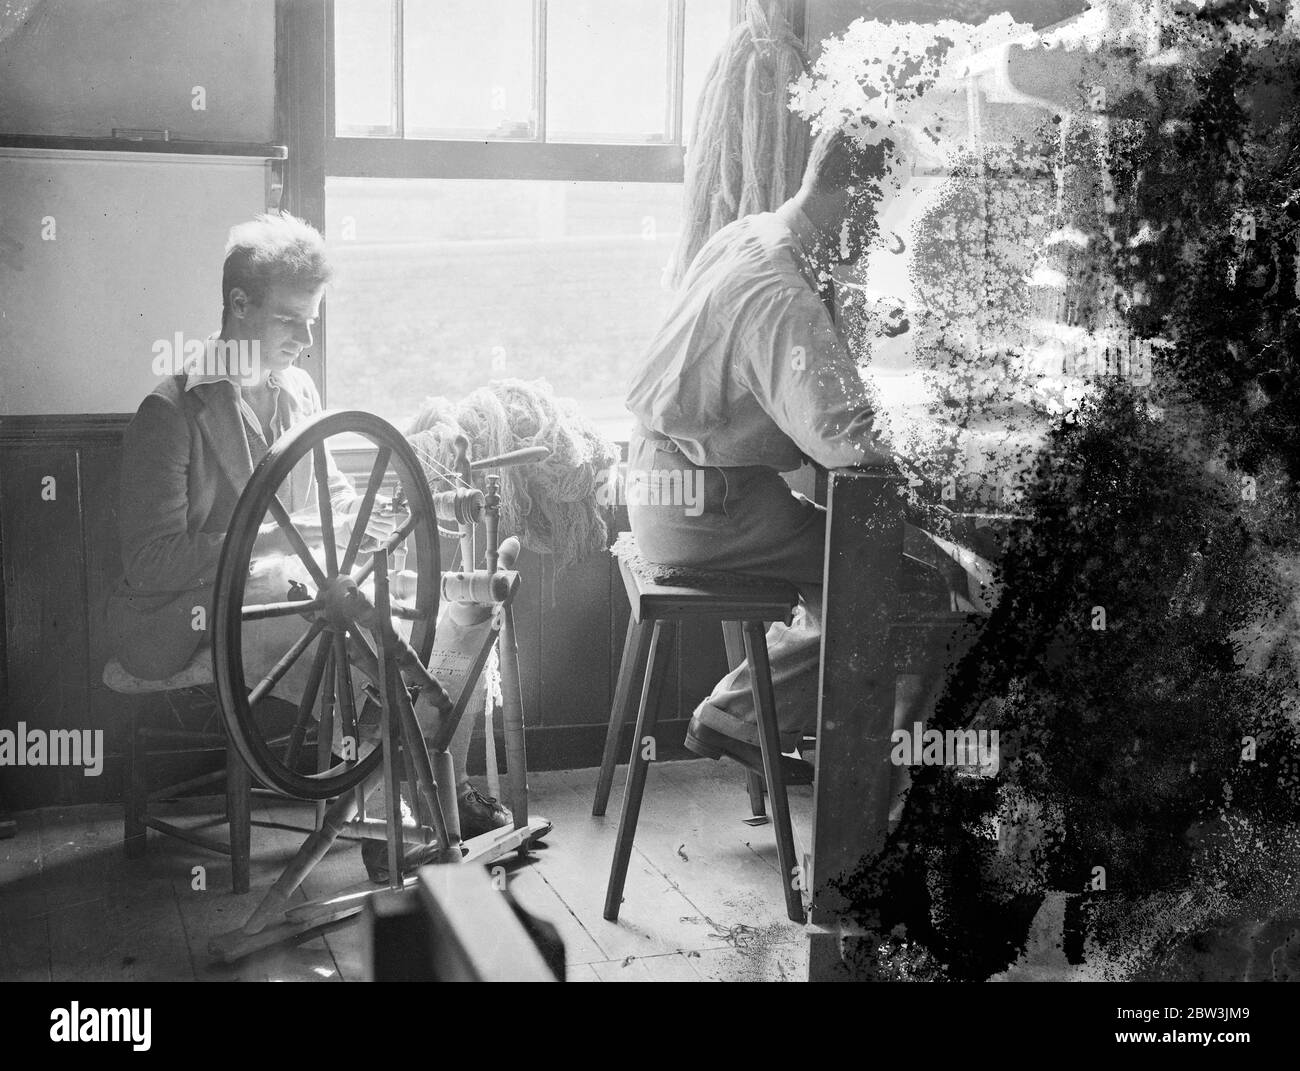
(749, 376)
(188, 454)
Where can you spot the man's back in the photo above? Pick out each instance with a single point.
(749, 368)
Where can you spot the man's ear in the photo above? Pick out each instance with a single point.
(239, 302)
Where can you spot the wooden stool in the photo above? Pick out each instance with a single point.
(660, 597)
(136, 793)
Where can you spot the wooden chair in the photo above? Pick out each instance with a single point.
(660, 598)
(149, 695)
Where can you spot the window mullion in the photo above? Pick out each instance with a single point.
(399, 62)
(539, 66)
(676, 71)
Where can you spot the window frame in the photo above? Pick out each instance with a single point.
(396, 156)
(305, 123)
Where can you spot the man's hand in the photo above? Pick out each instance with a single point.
(271, 538)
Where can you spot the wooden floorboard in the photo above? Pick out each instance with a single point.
(24, 927)
(703, 898)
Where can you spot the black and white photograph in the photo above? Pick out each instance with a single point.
(651, 490)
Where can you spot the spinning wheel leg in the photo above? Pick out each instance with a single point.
(512, 700)
(313, 850)
(325, 729)
(239, 799)
(444, 772)
(396, 698)
(392, 782)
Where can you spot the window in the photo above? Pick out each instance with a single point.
(450, 283)
(503, 191)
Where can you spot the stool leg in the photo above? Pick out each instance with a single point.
(661, 642)
(770, 742)
(135, 787)
(635, 649)
(239, 811)
(733, 635)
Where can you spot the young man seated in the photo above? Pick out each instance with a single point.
(190, 451)
(749, 377)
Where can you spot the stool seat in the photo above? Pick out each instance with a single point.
(196, 672)
(656, 591)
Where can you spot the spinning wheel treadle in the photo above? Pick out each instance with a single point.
(349, 601)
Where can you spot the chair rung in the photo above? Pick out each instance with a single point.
(187, 835)
(183, 736)
(182, 787)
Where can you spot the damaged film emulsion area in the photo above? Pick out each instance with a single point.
(1100, 319)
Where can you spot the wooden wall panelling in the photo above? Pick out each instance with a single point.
(528, 630)
(45, 612)
(575, 642)
(100, 478)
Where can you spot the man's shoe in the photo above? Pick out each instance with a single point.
(711, 744)
(481, 814)
(374, 854)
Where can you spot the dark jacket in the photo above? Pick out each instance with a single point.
(185, 461)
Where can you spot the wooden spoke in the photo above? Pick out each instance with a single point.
(261, 611)
(325, 507)
(282, 667)
(319, 667)
(346, 700)
(296, 541)
(393, 541)
(325, 731)
(362, 518)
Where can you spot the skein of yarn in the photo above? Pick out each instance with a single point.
(551, 505)
(747, 148)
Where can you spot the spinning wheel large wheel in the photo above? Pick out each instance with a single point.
(338, 635)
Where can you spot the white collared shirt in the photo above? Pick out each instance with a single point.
(257, 442)
(749, 368)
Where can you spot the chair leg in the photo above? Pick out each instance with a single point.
(635, 649)
(661, 642)
(770, 743)
(135, 787)
(754, 786)
(733, 635)
(239, 811)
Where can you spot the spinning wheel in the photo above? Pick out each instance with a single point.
(339, 617)
(370, 631)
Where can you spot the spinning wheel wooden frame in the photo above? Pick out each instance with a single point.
(331, 615)
(350, 629)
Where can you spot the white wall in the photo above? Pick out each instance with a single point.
(136, 257)
(139, 239)
(83, 67)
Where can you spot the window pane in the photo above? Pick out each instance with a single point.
(708, 22)
(446, 285)
(469, 69)
(607, 70)
(363, 68)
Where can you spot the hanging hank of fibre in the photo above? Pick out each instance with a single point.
(747, 148)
